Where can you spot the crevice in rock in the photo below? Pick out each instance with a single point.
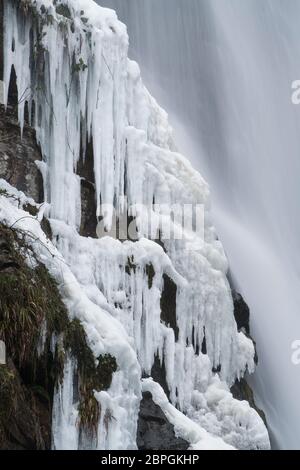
(39, 336)
(168, 304)
(242, 318)
(13, 92)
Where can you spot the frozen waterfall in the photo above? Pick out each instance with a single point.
(223, 69)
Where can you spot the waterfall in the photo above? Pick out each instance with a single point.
(223, 69)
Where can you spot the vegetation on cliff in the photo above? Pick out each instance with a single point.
(37, 331)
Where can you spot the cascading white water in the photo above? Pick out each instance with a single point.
(223, 69)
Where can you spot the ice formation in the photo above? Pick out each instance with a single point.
(72, 68)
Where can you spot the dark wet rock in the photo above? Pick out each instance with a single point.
(46, 227)
(242, 391)
(88, 209)
(241, 312)
(27, 425)
(154, 430)
(242, 318)
(158, 374)
(1, 39)
(18, 155)
(85, 169)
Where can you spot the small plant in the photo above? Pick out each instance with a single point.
(31, 308)
(80, 66)
(7, 394)
(33, 210)
(3, 192)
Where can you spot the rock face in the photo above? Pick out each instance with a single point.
(1, 40)
(242, 391)
(18, 156)
(25, 415)
(241, 313)
(85, 169)
(28, 424)
(154, 431)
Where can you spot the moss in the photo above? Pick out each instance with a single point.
(33, 210)
(149, 270)
(92, 375)
(3, 192)
(39, 391)
(7, 379)
(46, 227)
(80, 66)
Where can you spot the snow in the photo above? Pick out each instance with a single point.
(183, 426)
(134, 156)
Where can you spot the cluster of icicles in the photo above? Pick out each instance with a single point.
(75, 70)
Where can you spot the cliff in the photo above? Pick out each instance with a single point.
(84, 145)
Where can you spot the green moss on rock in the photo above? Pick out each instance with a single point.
(31, 313)
(29, 297)
(6, 393)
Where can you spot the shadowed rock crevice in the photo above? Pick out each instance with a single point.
(39, 338)
(168, 304)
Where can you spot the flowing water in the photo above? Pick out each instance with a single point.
(223, 69)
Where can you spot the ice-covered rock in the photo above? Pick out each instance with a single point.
(72, 69)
